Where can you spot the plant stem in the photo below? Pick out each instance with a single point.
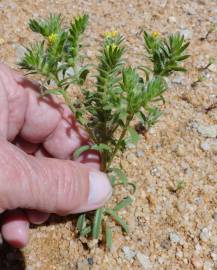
(123, 133)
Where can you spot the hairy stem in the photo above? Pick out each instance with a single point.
(117, 147)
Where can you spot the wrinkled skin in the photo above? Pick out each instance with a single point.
(37, 138)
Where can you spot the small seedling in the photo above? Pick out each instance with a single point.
(180, 185)
(212, 28)
(210, 62)
(106, 110)
(201, 70)
(199, 79)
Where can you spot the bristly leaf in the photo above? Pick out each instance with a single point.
(81, 150)
(82, 227)
(97, 223)
(166, 54)
(76, 30)
(154, 89)
(108, 234)
(117, 218)
(46, 27)
(134, 136)
(34, 59)
(81, 223)
(120, 176)
(101, 147)
(122, 204)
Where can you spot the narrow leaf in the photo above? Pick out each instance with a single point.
(134, 136)
(80, 150)
(108, 235)
(85, 231)
(118, 219)
(81, 223)
(120, 174)
(97, 223)
(100, 147)
(122, 204)
(53, 92)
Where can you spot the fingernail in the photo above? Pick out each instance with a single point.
(100, 189)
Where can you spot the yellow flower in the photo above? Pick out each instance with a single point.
(52, 38)
(114, 33)
(155, 34)
(111, 34)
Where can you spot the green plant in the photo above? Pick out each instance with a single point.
(121, 95)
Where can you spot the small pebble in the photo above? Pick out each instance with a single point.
(90, 260)
(174, 237)
(139, 153)
(197, 262)
(215, 216)
(214, 256)
(178, 79)
(208, 265)
(129, 254)
(205, 235)
(82, 265)
(144, 261)
(179, 254)
(166, 244)
(131, 146)
(1, 41)
(161, 260)
(207, 131)
(213, 19)
(172, 19)
(186, 33)
(209, 145)
(198, 249)
(213, 68)
(131, 158)
(20, 51)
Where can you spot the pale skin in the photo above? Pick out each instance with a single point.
(37, 138)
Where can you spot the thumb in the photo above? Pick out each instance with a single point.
(49, 185)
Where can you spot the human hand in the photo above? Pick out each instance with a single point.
(37, 137)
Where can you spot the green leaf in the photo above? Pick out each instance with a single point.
(112, 179)
(85, 231)
(121, 176)
(53, 92)
(81, 222)
(117, 218)
(134, 136)
(80, 150)
(108, 232)
(76, 30)
(82, 227)
(97, 223)
(101, 147)
(83, 76)
(46, 27)
(122, 204)
(34, 59)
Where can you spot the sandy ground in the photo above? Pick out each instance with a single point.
(173, 221)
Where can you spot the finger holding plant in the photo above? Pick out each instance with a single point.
(120, 95)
